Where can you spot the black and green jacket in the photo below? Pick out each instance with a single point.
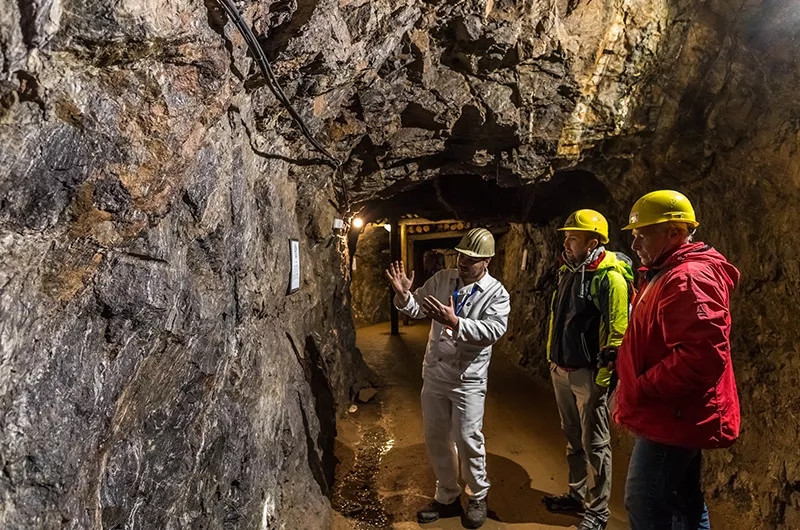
(589, 309)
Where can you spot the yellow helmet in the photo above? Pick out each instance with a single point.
(477, 243)
(588, 221)
(661, 206)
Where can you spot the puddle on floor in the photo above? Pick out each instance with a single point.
(355, 495)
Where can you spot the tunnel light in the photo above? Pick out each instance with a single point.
(358, 222)
(388, 227)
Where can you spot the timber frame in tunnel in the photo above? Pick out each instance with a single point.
(445, 208)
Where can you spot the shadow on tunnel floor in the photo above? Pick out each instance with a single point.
(511, 497)
(513, 500)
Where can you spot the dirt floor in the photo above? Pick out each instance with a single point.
(384, 478)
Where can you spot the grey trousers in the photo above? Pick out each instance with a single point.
(452, 416)
(583, 406)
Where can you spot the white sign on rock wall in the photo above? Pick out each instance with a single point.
(294, 272)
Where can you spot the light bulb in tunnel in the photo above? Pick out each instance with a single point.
(358, 222)
(388, 227)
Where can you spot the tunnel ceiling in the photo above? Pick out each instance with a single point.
(508, 91)
(501, 90)
(405, 91)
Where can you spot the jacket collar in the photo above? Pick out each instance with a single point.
(591, 262)
(677, 256)
(484, 282)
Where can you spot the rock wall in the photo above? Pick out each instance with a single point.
(154, 373)
(149, 182)
(530, 290)
(369, 287)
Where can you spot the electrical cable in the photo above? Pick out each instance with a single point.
(266, 68)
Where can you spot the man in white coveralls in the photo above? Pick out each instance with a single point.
(470, 310)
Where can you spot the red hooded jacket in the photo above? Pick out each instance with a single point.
(676, 383)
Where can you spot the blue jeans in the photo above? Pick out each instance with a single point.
(663, 489)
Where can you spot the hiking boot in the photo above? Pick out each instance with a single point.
(436, 510)
(592, 522)
(565, 503)
(476, 514)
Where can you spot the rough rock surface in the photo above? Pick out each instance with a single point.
(369, 288)
(153, 373)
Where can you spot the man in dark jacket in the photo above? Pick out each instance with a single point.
(588, 317)
(677, 392)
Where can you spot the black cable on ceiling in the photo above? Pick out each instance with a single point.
(275, 87)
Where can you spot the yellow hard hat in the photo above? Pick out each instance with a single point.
(661, 206)
(587, 221)
(477, 243)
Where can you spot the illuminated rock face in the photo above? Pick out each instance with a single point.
(155, 374)
(370, 290)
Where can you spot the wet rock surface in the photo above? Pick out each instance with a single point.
(153, 371)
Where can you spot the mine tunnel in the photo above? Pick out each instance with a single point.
(199, 201)
(383, 471)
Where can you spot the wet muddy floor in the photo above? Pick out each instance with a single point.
(383, 477)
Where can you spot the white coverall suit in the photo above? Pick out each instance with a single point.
(455, 372)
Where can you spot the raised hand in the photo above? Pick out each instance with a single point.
(396, 274)
(444, 314)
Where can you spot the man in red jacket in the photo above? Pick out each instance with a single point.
(677, 392)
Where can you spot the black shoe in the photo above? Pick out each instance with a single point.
(565, 503)
(437, 511)
(592, 522)
(476, 514)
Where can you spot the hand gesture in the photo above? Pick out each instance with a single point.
(396, 275)
(444, 314)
